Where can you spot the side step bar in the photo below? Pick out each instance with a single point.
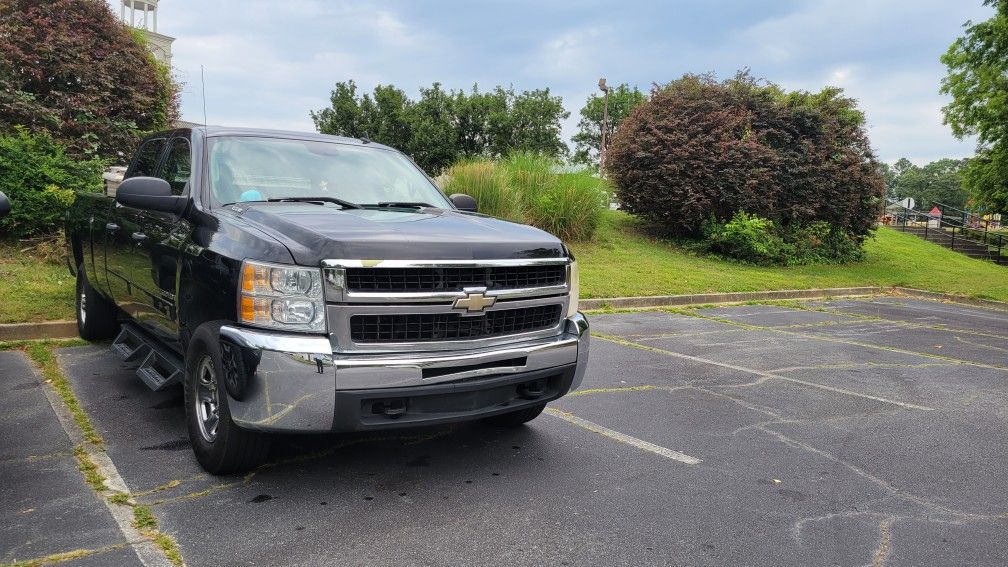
(159, 367)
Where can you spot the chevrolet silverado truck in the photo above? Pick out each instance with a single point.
(302, 283)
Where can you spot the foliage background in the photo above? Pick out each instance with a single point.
(442, 126)
(40, 180)
(977, 79)
(71, 69)
(622, 100)
(940, 181)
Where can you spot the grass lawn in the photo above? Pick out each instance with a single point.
(622, 262)
(31, 289)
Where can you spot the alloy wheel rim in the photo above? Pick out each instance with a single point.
(83, 307)
(206, 400)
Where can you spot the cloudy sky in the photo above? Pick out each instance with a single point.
(269, 62)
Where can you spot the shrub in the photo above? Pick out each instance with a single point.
(40, 180)
(532, 189)
(702, 149)
(482, 180)
(757, 240)
(746, 237)
(70, 68)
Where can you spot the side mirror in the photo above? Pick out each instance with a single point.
(4, 205)
(463, 202)
(150, 193)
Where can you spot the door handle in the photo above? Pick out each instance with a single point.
(139, 236)
(111, 227)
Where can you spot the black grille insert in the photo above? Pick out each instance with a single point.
(453, 279)
(419, 327)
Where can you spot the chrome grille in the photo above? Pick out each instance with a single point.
(453, 278)
(381, 306)
(421, 327)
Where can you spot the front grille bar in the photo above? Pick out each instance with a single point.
(431, 281)
(420, 327)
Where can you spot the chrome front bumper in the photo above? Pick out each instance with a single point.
(292, 382)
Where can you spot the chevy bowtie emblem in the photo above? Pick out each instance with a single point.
(474, 302)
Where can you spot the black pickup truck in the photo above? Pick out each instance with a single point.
(306, 283)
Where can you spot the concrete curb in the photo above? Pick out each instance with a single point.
(43, 330)
(734, 297)
(68, 329)
(938, 296)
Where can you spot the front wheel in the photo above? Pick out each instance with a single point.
(516, 418)
(221, 446)
(96, 316)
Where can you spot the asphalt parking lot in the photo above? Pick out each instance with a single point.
(846, 432)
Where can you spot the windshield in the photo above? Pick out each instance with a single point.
(244, 169)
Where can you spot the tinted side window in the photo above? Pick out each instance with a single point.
(147, 158)
(177, 166)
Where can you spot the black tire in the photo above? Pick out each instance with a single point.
(516, 418)
(228, 449)
(96, 316)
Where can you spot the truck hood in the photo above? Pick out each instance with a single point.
(314, 233)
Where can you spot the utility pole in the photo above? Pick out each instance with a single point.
(605, 125)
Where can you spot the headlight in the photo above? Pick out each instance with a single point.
(575, 288)
(278, 296)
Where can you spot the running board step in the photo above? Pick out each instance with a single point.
(130, 345)
(159, 368)
(159, 371)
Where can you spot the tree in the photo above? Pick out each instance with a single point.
(700, 149)
(536, 118)
(71, 69)
(978, 82)
(622, 100)
(940, 181)
(444, 126)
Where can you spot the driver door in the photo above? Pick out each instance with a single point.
(161, 237)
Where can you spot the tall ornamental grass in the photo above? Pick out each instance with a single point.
(533, 189)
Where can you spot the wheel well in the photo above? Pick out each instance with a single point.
(77, 249)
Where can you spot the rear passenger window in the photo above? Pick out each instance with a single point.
(147, 158)
(177, 166)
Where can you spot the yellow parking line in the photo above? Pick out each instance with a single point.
(623, 437)
(611, 390)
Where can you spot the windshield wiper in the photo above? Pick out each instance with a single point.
(400, 205)
(340, 202)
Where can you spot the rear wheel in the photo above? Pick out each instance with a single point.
(516, 418)
(221, 446)
(96, 316)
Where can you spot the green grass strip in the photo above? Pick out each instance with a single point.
(43, 356)
(147, 524)
(52, 343)
(64, 556)
(89, 469)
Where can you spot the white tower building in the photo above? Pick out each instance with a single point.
(142, 15)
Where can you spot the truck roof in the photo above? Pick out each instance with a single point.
(218, 131)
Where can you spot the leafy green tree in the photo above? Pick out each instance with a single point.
(386, 116)
(444, 126)
(434, 141)
(71, 69)
(978, 82)
(889, 175)
(536, 118)
(343, 116)
(940, 181)
(622, 100)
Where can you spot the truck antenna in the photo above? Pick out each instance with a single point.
(203, 85)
